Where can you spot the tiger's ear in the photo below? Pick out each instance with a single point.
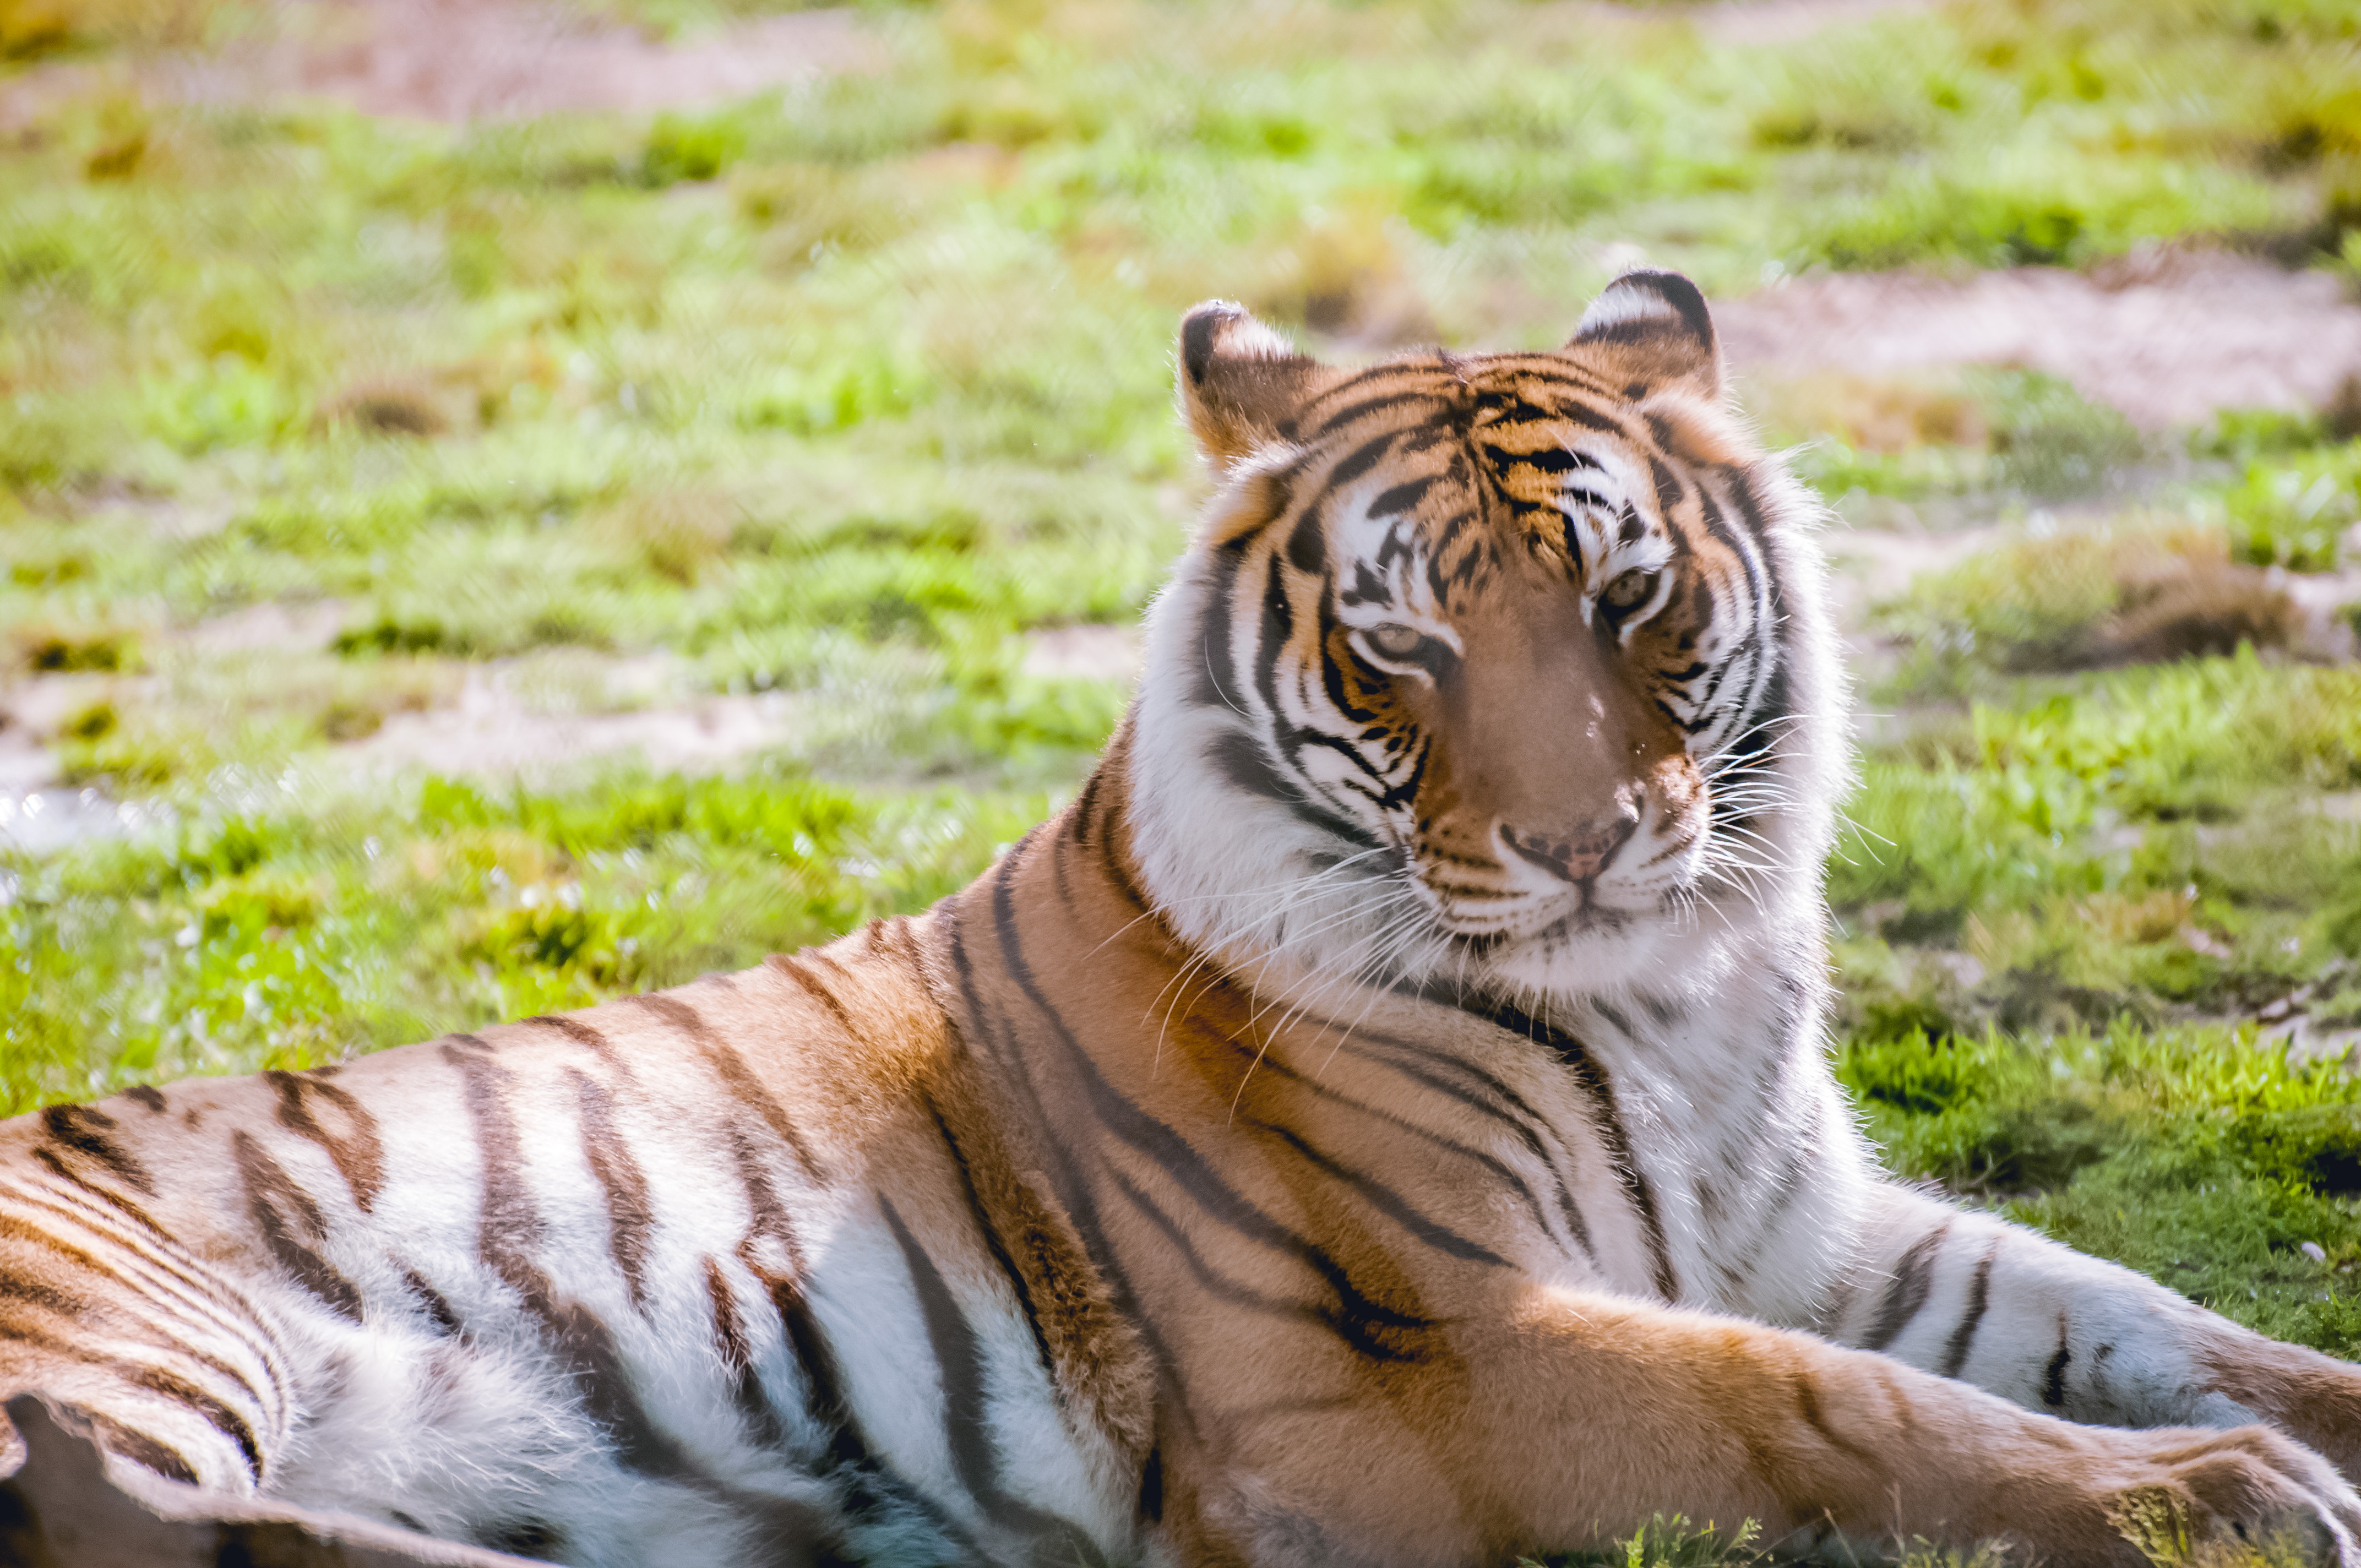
(1653, 330)
(1241, 383)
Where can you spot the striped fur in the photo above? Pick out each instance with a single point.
(1382, 1119)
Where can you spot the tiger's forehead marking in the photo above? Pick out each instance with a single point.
(1442, 472)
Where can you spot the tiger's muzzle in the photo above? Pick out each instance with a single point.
(1581, 855)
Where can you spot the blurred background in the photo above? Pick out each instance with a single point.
(507, 502)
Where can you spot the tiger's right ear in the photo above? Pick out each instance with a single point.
(1241, 383)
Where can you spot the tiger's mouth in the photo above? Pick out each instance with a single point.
(1576, 909)
(1523, 894)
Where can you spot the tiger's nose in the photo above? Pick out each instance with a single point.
(1579, 856)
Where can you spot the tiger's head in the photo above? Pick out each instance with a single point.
(1502, 669)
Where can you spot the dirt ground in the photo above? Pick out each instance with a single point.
(462, 60)
(465, 59)
(2169, 338)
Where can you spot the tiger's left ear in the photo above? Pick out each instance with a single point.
(1653, 330)
(1241, 383)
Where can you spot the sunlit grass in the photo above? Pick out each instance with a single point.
(298, 933)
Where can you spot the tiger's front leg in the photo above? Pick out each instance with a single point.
(1971, 1296)
(1569, 1420)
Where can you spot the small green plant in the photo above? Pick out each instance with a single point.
(1670, 1541)
(2293, 513)
(2049, 439)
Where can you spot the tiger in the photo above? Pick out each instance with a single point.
(1384, 1118)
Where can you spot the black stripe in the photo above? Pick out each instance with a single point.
(64, 1303)
(1499, 1170)
(291, 1222)
(631, 1212)
(49, 1297)
(1215, 665)
(1242, 761)
(1359, 1318)
(439, 1309)
(1307, 543)
(1955, 1354)
(800, 971)
(966, 1422)
(83, 1129)
(154, 1379)
(220, 1305)
(744, 1087)
(1389, 1202)
(1215, 1283)
(219, 1415)
(1332, 672)
(1351, 466)
(1087, 805)
(581, 1034)
(1808, 1406)
(1152, 1485)
(736, 1352)
(509, 1229)
(1620, 1158)
(2053, 1377)
(1197, 341)
(1419, 1065)
(357, 1153)
(992, 1238)
(1402, 497)
(1537, 370)
(1774, 699)
(1548, 459)
(1378, 404)
(873, 1490)
(1074, 1193)
(1277, 629)
(770, 1220)
(1913, 1277)
(138, 1447)
(824, 1398)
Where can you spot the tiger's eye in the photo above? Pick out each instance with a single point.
(1629, 591)
(1394, 641)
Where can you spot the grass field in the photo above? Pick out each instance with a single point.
(819, 410)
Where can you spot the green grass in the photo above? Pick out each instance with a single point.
(288, 938)
(2192, 1154)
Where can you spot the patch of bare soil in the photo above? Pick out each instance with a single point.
(1780, 21)
(2168, 338)
(466, 59)
(274, 626)
(1092, 651)
(500, 726)
(1735, 21)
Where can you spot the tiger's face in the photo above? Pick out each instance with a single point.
(1501, 653)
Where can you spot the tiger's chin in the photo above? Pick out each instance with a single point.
(1673, 935)
(1597, 949)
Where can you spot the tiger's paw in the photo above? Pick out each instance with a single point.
(2247, 1497)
